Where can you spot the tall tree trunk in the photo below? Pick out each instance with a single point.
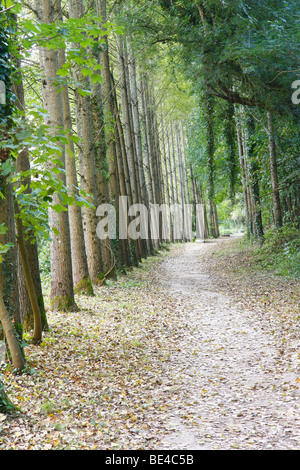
(129, 245)
(37, 330)
(31, 246)
(231, 158)
(244, 178)
(166, 174)
(113, 184)
(253, 168)
(174, 165)
(129, 135)
(15, 350)
(101, 172)
(9, 293)
(274, 173)
(169, 165)
(62, 293)
(177, 224)
(81, 278)
(138, 136)
(184, 164)
(155, 157)
(87, 165)
(147, 146)
(181, 173)
(208, 104)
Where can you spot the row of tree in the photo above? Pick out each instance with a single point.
(86, 104)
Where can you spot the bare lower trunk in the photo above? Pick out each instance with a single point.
(9, 294)
(37, 331)
(11, 337)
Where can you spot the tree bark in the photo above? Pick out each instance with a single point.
(129, 136)
(31, 245)
(11, 337)
(244, 178)
(62, 293)
(253, 169)
(113, 185)
(101, 171)
(37, 331)
(9, 292)
(138, 137)
(81, 278)
(87, 165)
(208, 103)
(274, 173)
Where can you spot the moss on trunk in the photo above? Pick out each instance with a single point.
(84, 287)
(63, 304)
(6, 406)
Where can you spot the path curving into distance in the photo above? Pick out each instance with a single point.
(236, 392)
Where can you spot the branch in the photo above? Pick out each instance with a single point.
(233, 97)
(6, 9)
(202, 15)
(27, 5)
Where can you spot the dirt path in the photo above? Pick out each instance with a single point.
(178, 354)
(236, 388)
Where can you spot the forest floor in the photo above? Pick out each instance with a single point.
(197, 348)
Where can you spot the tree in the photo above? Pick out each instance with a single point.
(87, 164)
(274, 173)
(62, 292)
(9, 299)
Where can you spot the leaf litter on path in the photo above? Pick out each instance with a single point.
(170, 356)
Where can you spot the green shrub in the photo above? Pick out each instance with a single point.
(281, 251)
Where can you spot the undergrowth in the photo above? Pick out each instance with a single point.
(280, 251)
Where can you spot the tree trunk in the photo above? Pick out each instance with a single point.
(113, 185)
(138, 137)
(253, 169)
(166, 174)
(9, 292)
(101, 172)
(129, 245)
(181, 173)
(31, 246)
(174, 165)
(129, 136)
(145, 119)
(17, 357)
(274, 173)
(208, 103)
(87, 165)
(81, 279)
(62, 293)
(186, 182)
(37, 332)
